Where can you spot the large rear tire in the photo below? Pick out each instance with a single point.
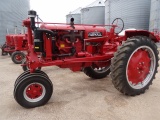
(134, 65)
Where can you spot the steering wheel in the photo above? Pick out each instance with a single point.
(120, 25)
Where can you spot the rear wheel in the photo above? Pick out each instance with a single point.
(97, 73)
(33, 91)
(17, 57)
(134, 65)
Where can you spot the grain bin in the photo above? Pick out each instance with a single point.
(155, 16)
(93, 13)
(76, 14)
(12, 12)
(135, 13)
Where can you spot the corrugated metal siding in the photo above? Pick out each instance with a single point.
(12, 12)
(155, 16)
(93, 15)
(77, 18)
(135, 13)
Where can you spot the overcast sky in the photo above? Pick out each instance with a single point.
(56, 10)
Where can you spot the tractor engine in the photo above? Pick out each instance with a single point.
(61, 41)
(68, 42)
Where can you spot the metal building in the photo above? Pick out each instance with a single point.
(12, 12)
(76, 14)
(155, 16)
(93, 13)
(135, 13)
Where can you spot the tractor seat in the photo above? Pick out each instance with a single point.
(123, 32)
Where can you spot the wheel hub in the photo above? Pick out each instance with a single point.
(139, 66)
(18, 57)
(34, 91)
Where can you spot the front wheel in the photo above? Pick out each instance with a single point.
(17, 57)
(33, 91)
(134, 65)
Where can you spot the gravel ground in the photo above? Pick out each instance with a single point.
(77, 97)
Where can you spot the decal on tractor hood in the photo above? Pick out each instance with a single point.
(94, 34)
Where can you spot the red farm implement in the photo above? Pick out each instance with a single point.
(15, 45)
(9, 45)
(132, 59)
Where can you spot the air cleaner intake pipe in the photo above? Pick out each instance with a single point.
(32, 15)
(72, 23)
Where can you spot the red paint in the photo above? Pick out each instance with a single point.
(16, 42)
(18, 57)
(20, 42)
(34, 91)
(138, 67)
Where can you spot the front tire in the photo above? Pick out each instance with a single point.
(33, 91)
(17, 57)
(27, 73)
(134, 65)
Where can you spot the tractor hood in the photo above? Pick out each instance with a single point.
(77, 27)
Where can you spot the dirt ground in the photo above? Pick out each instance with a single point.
(77, 97)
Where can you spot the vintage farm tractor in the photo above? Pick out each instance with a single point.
(15, 45)
(9, 46)
(131, 59)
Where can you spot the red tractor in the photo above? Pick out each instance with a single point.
(9, 46)
(14, 46)
(21, 46)
(131, 59)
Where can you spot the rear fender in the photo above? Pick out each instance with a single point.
(131, 33)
